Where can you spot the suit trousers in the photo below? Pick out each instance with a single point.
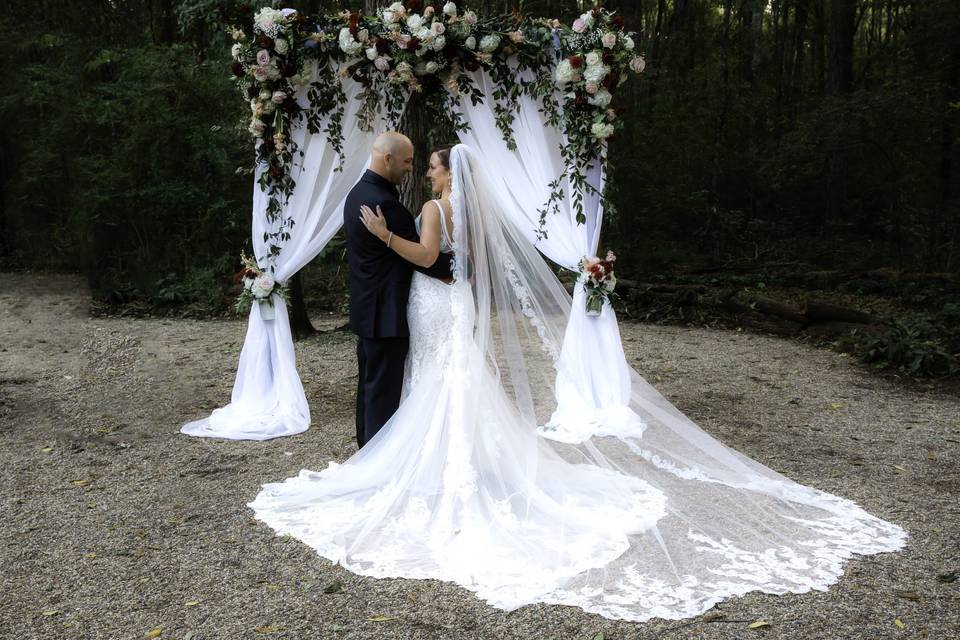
(380, 381)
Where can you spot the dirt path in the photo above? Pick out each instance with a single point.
(112, 524)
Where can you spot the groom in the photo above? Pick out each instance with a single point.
(380, 283)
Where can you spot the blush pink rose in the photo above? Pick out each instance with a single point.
(638, 64)
(609, 39)
(438, 28)
(592, 87)
(579, 25)
(263, 56)
(278, 97)
(381, 63)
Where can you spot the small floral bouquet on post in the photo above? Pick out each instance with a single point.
(258, 287)
(598, 281)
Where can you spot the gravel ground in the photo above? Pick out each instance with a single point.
(114, 525)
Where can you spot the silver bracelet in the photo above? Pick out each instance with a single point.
(389, 238)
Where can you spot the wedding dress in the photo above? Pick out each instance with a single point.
(653, 519)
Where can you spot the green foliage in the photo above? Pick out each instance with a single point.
(915, 347)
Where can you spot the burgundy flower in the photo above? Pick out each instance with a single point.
(608, 57)
(243, 274)
(276, 172)
(575, 61)
(414, 5)
(237, 69)
(612, 80)
(471, 64)
(288, 70)
(580, 100)
(382, 45)
(617, 22)
(266, 42)
(414, 44)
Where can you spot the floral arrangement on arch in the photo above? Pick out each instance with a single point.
(258, 287)
(598, 281)
(427, 47)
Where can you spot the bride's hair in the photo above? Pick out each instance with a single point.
(444, 154)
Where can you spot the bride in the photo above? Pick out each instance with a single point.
(654, 518)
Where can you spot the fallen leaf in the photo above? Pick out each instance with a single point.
(272, 587)
(599, 636)
(334, 587)
(155, 632)
(836, 405)
(78, 483)
(90, 555)
(948, 577)
(51, 612)
(713, 616)
(899, 468)
(47, 449)
(908, 595)
(269, 629)
(758, 624)
(189, 636)
(899, 623)
(191, 603)
(381, 618)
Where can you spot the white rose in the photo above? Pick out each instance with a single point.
(593, 58)
(397, 7)
(389, 17)
(450, 9)
(489, 44)
(382, 64)
(601, 98)
(281, 46)
(265, 94)
(235, 50)
(438, 28)
(628, 43)
(431, 67)
(471, 43)
(439, 43)
(269, 107)
(564, 72)
(601, 130)
(588, 18)
(414, 22)
(363, 35)
(256, 127)
(263, 286)
(372, 53)
(596, 73)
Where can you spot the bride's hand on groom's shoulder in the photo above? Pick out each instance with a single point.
(374, 221)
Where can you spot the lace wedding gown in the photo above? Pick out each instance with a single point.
(460, 485)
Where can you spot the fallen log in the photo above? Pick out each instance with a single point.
(824, 312)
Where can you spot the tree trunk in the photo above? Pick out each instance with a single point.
(300, 325)
(842, 29)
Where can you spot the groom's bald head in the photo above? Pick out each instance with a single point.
(392, 156)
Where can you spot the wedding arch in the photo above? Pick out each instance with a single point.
(531, 96)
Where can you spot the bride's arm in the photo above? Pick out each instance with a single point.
(423, 253)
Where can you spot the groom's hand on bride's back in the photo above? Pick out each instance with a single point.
(400, 222)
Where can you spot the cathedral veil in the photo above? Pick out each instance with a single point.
(730, 525)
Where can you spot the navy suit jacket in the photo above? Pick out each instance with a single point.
(379, 278)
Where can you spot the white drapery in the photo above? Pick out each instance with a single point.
(593, 379)
(268, 400)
